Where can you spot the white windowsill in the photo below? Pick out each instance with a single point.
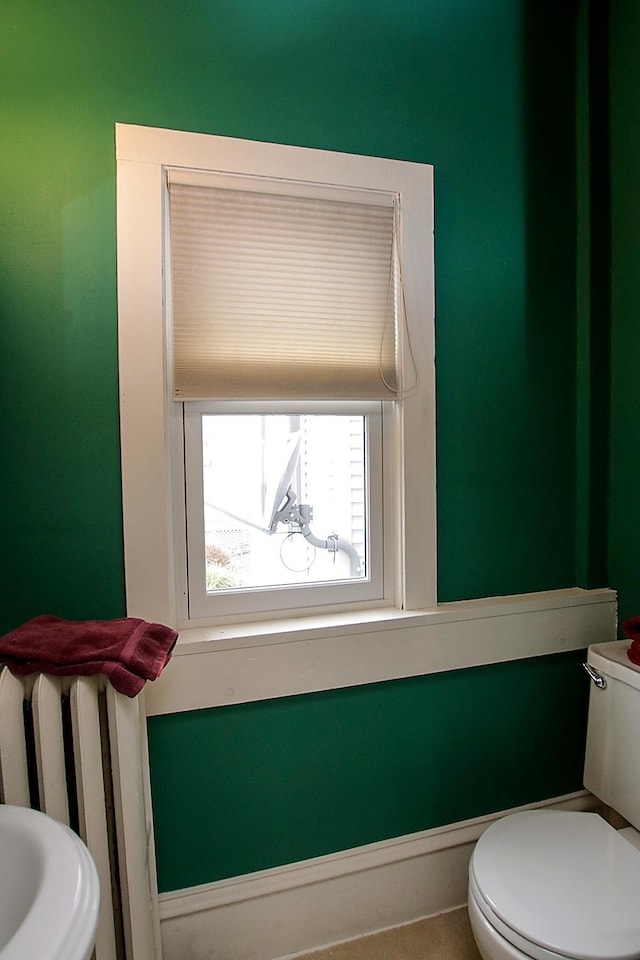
(294, 629)
(236, 663)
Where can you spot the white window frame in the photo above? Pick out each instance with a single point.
(150, 419)
(288, 599)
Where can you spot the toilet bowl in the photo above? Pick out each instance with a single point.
(546, 884)
(565, 885)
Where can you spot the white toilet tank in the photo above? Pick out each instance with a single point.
(612, 762)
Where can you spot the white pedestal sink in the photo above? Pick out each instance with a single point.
(49, 889)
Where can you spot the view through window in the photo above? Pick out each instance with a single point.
(285, 499)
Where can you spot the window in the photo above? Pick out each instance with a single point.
(284, 508)
(276, 355)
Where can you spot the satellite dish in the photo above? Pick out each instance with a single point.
(277, 490)
(280, 496)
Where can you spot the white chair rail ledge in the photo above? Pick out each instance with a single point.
(218, 665)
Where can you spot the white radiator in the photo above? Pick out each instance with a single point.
(76, 749)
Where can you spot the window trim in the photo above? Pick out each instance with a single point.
(149, 418)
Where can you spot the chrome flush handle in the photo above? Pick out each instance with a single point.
(598, 679)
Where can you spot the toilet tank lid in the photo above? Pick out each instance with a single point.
(612, 660)
(563, 880)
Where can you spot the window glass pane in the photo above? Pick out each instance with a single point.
(285, 499)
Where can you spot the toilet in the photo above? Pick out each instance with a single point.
(561, 884)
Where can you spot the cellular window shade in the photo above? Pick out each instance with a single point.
(280, 297)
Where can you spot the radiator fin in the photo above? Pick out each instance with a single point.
(14, 773)
(46, 700)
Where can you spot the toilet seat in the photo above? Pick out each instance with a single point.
(559, 884)
(501, 943)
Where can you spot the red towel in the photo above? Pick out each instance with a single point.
(128, 651)
(631, 628)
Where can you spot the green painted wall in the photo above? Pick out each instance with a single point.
(280, 781)
(624, 512)
(484, 90)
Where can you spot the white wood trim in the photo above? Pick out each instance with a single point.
(307, 905)
(178, 148)
(134, 827)
(218, 666)
(416, 433)
(146, 474)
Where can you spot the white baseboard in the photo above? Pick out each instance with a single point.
(304, 906)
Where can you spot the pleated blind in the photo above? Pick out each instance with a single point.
(276, 296)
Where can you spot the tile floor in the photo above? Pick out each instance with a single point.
(445, 937)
